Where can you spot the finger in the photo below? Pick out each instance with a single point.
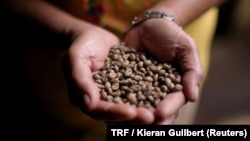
(109, 111)
(81, 57)
(84, 86)
(191, 85)
(77, 95)
(187, 54)
(169, 107)
(167, 121)
(143, 116)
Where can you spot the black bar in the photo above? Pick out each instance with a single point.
(163, 132)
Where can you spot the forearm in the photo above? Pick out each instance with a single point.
(46, 14)
(185, 11)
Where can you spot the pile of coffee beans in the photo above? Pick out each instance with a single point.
(136, 78)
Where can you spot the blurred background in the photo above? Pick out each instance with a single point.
(225, 97)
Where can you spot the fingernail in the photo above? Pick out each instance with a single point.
(86, 99)
(196, 93)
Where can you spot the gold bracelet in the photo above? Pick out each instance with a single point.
(149, 15)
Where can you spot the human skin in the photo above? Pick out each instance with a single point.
(87, 54)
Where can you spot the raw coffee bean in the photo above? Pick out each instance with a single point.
(115, 86)
(136, 78)
(132, 98)
(117, 100)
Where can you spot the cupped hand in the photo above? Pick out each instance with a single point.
(86, 56)
(167, 41)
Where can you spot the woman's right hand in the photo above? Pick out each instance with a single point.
(85, 56)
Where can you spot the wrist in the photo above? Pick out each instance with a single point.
(167, 6)
(77, 27)
(151, 15)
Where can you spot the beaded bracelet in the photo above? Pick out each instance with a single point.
(149, 15)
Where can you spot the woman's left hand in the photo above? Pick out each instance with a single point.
(167, 41)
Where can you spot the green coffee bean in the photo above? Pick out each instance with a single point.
(136, 78)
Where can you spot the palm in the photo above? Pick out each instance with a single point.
(161, 42)
(93, 47)
(87, 55)
(168, 42)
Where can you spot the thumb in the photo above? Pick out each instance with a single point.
(82, 90)
(189, 60)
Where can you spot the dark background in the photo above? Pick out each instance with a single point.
(225, 97)
(226, 94)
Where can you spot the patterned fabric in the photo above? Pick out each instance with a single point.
(113, 14)
(92, 10)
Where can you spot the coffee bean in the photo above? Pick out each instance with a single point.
(136, 78)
